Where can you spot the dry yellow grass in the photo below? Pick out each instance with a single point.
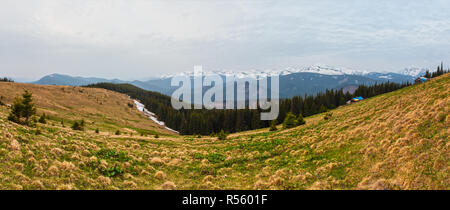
(397, 140)
(101, 108)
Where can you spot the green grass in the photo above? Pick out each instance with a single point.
(211, 157)
(112, 154)
(260, 146)
(396, 139)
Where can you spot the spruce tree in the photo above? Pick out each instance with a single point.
(273, 125)
(16, 111)
(76, 126)
(23, 108)
(300, 120)
(42, 119)
(322, 109)
(290, 121)
(28, 107)
(222, 135)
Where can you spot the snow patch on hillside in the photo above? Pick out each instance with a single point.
(151, 115)
(385, 77)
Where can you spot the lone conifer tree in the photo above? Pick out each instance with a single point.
(300, 120)
(289, 121)
(77, 126)
(222, 135)
(28, 107)
(23, 108)
(42, 119)
(273, 125)
(16, 110)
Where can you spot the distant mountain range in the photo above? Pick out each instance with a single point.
(293, 81)
(60, 79)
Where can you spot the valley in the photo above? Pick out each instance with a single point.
(397, 140)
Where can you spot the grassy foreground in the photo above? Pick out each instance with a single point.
(397, 140)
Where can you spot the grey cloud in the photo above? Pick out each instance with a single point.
(134, 39)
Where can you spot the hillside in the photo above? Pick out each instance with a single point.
(207, 122)
(397, 140)
(103, 109)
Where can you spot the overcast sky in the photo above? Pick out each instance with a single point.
(132, 39)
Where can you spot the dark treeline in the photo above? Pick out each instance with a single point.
(440, 71)
(185, 121)
(311, 105)
(6, 79)
(206, 122)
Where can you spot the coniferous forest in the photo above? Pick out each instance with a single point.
(206, 122)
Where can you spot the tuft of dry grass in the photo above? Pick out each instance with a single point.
(168, 186)
(160, 175)
(156, 161)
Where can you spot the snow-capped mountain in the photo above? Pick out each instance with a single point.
(316, 69)
(325, 70)
(293, 81)
(297, 80)
(414, 71)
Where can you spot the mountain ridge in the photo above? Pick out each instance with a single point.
(293, 81)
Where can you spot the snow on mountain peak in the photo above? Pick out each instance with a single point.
(413, 71)
(318, 69)
(239, 74)
(326, 70)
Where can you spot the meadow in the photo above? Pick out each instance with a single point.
(397, 140)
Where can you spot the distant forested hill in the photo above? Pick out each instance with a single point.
(293, 82)
(206, 122)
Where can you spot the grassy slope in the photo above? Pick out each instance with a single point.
(397, 140)
(102, 109)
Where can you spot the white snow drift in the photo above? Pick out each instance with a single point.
(151, 115)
